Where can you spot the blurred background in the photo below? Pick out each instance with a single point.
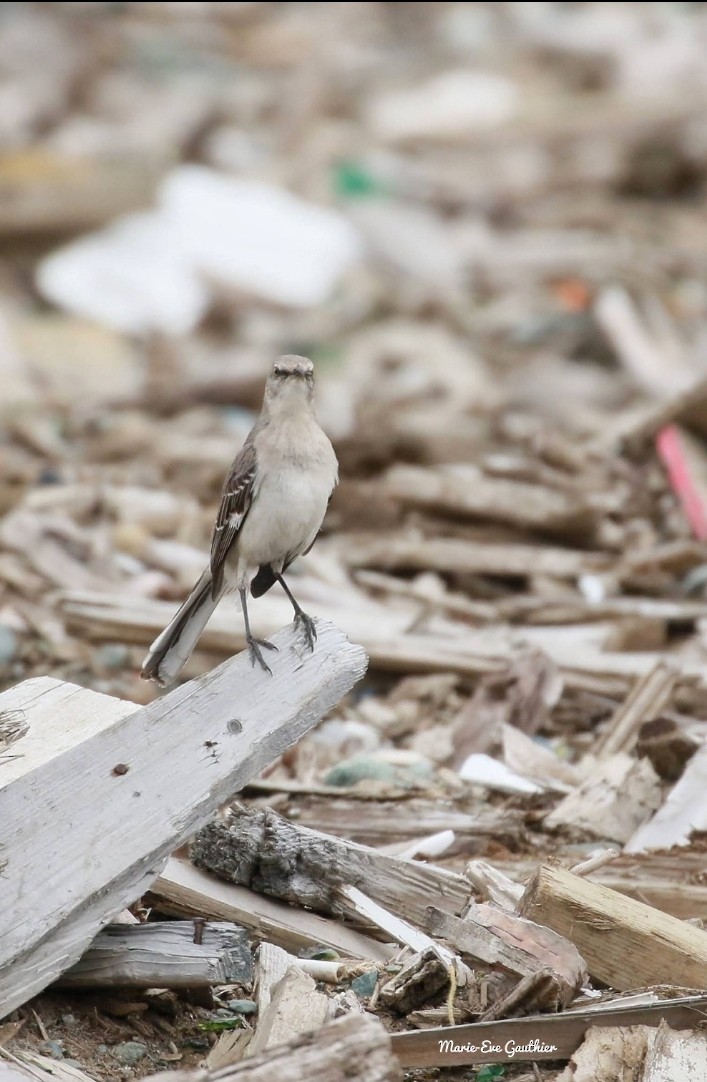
(485, 222)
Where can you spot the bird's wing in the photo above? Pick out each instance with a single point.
(236, 498)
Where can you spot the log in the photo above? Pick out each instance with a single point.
(170, 954)
(262, 850)
(114, 789)
(355, 1048)
(625, 943)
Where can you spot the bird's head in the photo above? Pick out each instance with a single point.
(291, 379)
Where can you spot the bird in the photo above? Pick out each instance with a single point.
(273, 502)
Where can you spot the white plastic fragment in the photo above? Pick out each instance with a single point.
(483, 770)
(154, 271)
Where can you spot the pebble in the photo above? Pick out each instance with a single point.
(54, 1049)
(351, 771)
(69, 1019)
(113, 656)
(363, 986)
(8, 644)
(129, 1052)
(243, 1006)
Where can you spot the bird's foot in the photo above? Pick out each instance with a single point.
(307, 626)
(256, 656)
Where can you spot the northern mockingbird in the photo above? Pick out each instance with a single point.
(272, 506)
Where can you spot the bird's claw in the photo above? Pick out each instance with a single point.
(254, 650)
(307, 626)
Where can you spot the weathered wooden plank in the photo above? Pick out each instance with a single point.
(91, 811)
(182, 890)
(169, 954)
(539, 1037)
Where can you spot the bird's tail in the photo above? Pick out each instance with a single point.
(173, 647)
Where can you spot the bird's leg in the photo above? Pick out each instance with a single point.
(253, 643)
(302, 620)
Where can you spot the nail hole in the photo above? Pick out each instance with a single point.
(120, 768)
(234, 726)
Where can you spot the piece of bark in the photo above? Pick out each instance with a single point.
(266, 852)
(518, 946)
(168, 954)
(625, 943)
(421, 978)
(184, 891)
(647, 699)
(683, 812)
(667, 745)
(539, 1037)
(295, 1007)
(619, 796)
(160, 772)
(355, 1048)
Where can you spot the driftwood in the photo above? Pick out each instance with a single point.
(184, 891)
(169, 954)
(262, 850)
(625, 943)
(150, 778)
(351, 1049)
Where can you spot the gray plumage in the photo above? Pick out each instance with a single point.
(272, 506)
